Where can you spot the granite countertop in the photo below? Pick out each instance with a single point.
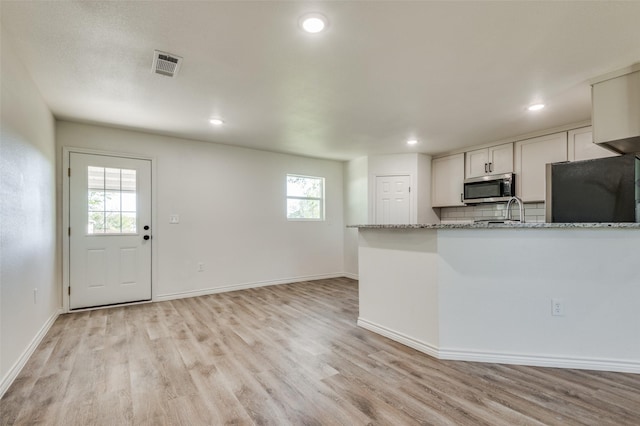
(515, 225)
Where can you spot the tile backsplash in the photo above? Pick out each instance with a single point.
(533, 212)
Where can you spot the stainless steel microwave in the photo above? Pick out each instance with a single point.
(489, 189)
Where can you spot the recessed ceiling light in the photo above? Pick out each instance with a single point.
(313, 22)
(216, 121)
(412, 142)
(535, 107)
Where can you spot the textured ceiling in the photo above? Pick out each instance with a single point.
(451, 74)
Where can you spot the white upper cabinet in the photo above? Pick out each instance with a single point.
(527, 159)
(476, 163)
(489, 161)
(531, 157)
(447, 178)
(581, 146)
(615, 115)
(501, 159)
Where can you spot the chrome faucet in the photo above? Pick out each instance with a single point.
(520, 207)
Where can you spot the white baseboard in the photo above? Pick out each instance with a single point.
(350, 275)
(504, 358)
(244, 286)
(541, 360)
(11, 375)
(399, 337)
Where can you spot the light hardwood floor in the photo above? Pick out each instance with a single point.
(288, 354)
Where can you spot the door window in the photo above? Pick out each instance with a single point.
(111, 204)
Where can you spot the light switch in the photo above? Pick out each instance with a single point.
(174, 219)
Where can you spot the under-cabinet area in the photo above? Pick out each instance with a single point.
(533, 213)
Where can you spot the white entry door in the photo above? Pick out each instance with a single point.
(393, 199)
(110, 230)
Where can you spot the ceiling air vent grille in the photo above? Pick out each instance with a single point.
(165, 63)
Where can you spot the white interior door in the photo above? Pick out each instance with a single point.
(393, 204)
(110, 230)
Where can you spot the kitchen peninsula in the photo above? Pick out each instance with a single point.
(484, 292)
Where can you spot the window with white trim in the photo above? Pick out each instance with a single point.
(305, 197)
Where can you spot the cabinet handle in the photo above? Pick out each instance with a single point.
(461, 198)
(490, 167)
(485, 167)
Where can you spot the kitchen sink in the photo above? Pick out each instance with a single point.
(503, 221)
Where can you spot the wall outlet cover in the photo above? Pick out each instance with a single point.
(557, 307)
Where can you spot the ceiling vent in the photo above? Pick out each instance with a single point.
(166, 63)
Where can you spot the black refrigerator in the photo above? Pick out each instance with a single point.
(601, 190)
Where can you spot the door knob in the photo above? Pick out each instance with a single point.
(146, 237)
(146, 227)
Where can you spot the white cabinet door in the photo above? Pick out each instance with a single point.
(531, 157)
(501, 159)
(489, 161)
(476, 163)
(615, 107)
(447, 178)
(581, 146)
(393, 203)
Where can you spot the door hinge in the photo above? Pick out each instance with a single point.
(409, 189)
(69, 172)
(69, 231)
(69, 290)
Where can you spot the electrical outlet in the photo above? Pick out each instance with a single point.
(200, 267)
(174, 219)
(557, 307)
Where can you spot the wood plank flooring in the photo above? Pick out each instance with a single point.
(285, 355)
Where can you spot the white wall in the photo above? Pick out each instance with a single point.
(359, 180)
(231, 203)
(27, 217)
(399, 286)
(496, 295)
(426, 213)
(356, 209)
(482, 294)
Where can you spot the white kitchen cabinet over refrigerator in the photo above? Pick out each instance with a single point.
(531, 157)
(489, 161)
(447, 178)
(581, 146)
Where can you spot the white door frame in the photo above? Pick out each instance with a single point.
(64, 231)
(373, 179)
